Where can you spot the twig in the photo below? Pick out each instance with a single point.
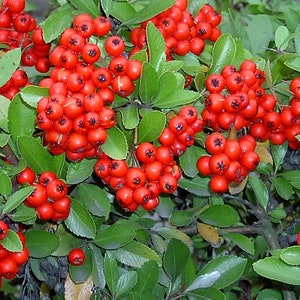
(9, 154)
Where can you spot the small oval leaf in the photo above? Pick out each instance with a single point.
(276, 269)
(17, 198)
(260, 191)
(114, 236)
(219, 215)
(116, 144)
(21, 118)
(151, 126)
(291, 255)
(41, 243)
(80, 222)
(12, 242)
(9, 63)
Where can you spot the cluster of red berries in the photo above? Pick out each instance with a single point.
(76, 114)
(49, 197)
(237, 99)
(181, 129)
(19, 30)
(181, 31)
(18, 80)
(229, 160)
(11, 262)
(75, 125)
(157, 171)
(290, 117)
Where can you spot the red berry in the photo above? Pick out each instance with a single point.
(56, 189)
(26, 176)
(76, 257)
(3, 230)
(215, 143)
(218, 184)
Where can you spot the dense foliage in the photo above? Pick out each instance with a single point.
(150, 150)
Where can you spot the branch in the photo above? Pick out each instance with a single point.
(9, 154)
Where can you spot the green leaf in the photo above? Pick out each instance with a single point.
(95, 199)
(151, 126)
(60, 19)
(130, 116)
(290, 16)
(188, 159)
(269, 294)
(67, 241)
(165, 207)
(4, 139)
(80, 274)
(152, 9)
(230, 267)
(278, 153)
(156, 46)
(277, 213)
(219, 215)
(275, 268)
(291, 255)
(126, 283)
(241, 241)
(170, 91)
(135, 254)
(173, 66)
(297, 39)
(87, 6)
(24, 214)
(80, 222)
(293, 177)
(5, 185)
(98, 270)
(17, 198)
(58, 165)
(260, 36)
(121, 10)
(12, 242)
(80, 171)
(147, 277)
(174, 233)
(21, 118)
(173, 81)
(4, 107)
(175, 258)
(191, 64)
(181, 218)
(197, 185)
(177, 98)
(111, 272)
(114, 236)
(282, 186)
(223, 53)
(9, 63)
(293, 63)
(116, 144)
(32, 94)
(260, 191)
(206, 294)
(282, 37)
(35, 155)
(148, 88)
(203, 281)
(41, 243)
